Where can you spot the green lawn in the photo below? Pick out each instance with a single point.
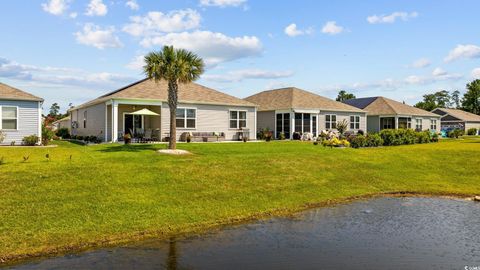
(112, 193)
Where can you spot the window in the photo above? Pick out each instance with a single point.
(314, 125)
(404, 122)
(85, 119)
(418, 125)
(433, 124)
(354, 122)
(330, 121)
(186, 118)
(302, 122)
(238, 119)
(386, 123)
(9, 118)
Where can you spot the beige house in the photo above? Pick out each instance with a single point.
(385, 113)
(453, 118)
(292, 110)
(142, 107)
(62, 123)
(20, 114)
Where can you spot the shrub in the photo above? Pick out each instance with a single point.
(80, 138)
(361, 132)
(388, 137)
(47, 135)
(358, 141)
(335, 142)
(374, 140)
(63, 133)
(282, 136)
(342, 126)
(470, 131)
(435, 137)
(30, 140)
(455, 133)
(423, 137)
(2, 136)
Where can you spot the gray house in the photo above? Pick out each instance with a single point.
(453, 118)
(292, 110)
(385, 113)
(20, 114)
(142, 107)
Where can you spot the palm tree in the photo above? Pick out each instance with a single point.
(176, 66)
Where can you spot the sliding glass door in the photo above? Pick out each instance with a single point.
(283, 125)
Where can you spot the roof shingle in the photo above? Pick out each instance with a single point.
(292, 97)
(11, 93)
(386, 106)
(187, 93)
(461, 115)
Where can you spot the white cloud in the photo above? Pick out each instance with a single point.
(404, 16)
(240, 75)
(132, 4)
(213, 47)
(56, 7)
(476, 73)
(73, 15)
(93, 35)
(292, 31)
(463, 51)
(332, 28)
(421, 63)
(222, 3)
(136, 63)
(437, 72)
(156, 22)
(96, 8)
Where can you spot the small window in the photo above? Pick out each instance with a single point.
(9, 118)
(238, 119)
(330, 121)
(354, 122)
(418, 125)
(85, 119)
(433, 124)
(186, 118)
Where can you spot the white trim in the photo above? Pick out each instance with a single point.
(106, 122)
(306, 111)
(114, 121)
(40, 121)
(186, 118)
(16, 118)
(255, 124)
(238, 118)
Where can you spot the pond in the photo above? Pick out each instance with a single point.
(380, 233)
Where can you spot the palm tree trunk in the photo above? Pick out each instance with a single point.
(172, 103)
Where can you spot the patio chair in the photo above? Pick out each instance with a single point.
(148, 135)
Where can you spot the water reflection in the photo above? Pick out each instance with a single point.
(383, 233)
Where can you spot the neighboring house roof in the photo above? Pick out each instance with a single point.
(460, 114)
(61, 120)
(187, 93)
(386, 106)
(11, 93)
(292, 97)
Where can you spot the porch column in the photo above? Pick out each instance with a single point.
(114, 121)
(396, 122)
(292, 124)
(106, 123)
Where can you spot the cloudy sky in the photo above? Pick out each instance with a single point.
(71, 51)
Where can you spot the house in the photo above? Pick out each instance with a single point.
(62, 123)
(20, 114)
(142, 106)
(453, 118)
(385, 113)
(292, 110)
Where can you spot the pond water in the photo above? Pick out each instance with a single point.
(380, 233)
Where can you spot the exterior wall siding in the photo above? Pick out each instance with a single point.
(28, 120)
(95, 125)
(373, 123)
(210, 118)
(340, 117)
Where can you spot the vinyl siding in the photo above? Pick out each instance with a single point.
(95, 121)
(28, 120)
(340, 117)
(210, 118)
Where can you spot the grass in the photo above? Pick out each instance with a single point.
(112, 193)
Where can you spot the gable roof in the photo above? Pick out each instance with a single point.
(386, 106)
(12, 93)
(460, 114)
(187, 93)
(292, 97)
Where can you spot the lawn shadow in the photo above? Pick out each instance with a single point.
(128, 148)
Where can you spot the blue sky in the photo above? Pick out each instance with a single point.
(71, 51)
